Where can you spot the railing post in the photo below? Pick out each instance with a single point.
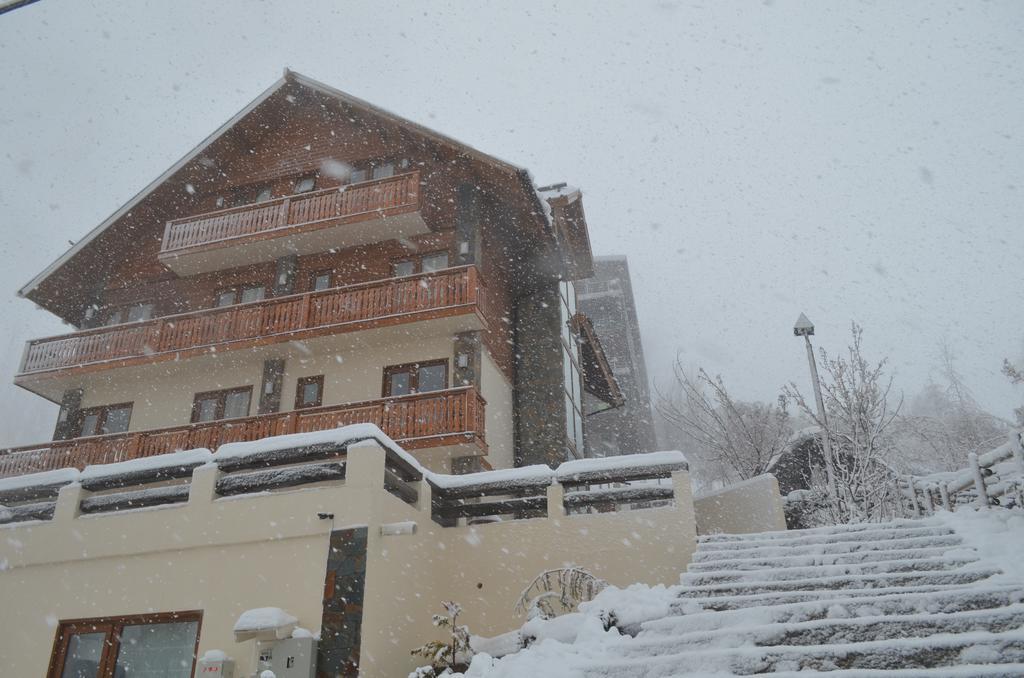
(167, 237)
(979, 480)
(203, 488)
(929, 502)
(556, 500)
(1017, 447)
(913, 496)
(944, 494)
(304, 312)
(283, 213)
(69, 500)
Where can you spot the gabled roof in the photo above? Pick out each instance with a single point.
(521, 174)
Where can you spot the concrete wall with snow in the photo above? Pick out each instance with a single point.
(754, 505)
(230, 554)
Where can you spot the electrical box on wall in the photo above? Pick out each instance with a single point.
(289, 658)
(215, 667)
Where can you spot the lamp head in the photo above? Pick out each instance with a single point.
(803, 327)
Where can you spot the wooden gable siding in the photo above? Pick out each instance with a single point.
(289, 133)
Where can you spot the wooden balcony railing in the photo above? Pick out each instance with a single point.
(380, 196)
(414, 421)
(385, 301)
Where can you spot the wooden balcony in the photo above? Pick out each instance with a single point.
(424, 296)
(423, 420)
(346, 216)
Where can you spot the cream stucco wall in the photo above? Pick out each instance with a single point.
(223, 556)
(754, 505)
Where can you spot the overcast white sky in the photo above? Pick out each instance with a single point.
(856, 161)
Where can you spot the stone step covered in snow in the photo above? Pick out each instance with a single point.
(962, 575)
(854, 557)
(772, 598)
(815, 531)
(937, 597)
(686, 617)
(724, 576)
(930, 541)
(933, 652)
(842, 626)
(878, 535)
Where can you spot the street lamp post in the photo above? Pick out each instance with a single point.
(805, 328)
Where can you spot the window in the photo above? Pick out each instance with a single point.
(246, 195)
(305, 184)
(383, 170)
(96, 421)
(435, 261)
(239, 295)
(127, 647)
(130, 313)
(321, 280)
(230, 403)
(572, 378)
(415, 378)
(254, 293)
(404, 268)
(225, 298)
(376, 169)
(140, 312)
(309, 392)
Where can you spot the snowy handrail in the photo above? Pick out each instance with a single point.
(1004, 465)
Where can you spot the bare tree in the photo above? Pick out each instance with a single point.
(736, 440)
(860, 416)
(946, 423)
(1016, 375)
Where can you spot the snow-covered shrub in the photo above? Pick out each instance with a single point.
(557, 591)
(451, 655)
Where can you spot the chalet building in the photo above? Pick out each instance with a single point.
(317, 262)
(606, 300)
(308, 359)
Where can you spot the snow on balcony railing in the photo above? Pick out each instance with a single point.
(301, 459)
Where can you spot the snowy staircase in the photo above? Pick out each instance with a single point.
(905, 598)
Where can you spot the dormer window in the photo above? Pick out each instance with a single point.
(384, 170)
(239, 295)
(305, 184)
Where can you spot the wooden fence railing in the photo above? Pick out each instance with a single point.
(280, 316)
(988, 478)
(368, 197)
(418, 420)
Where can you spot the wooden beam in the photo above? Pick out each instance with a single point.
(618, 496)
(142, 477)
(121, 501)
(291, 455)
(260, 481)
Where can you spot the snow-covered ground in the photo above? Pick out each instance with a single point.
(942, 596)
